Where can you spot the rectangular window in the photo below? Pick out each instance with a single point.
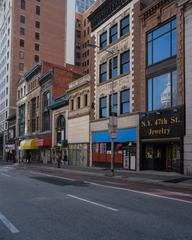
(22, 43)
(36, 47)
(37, 24)
(125, 101)
(21, 66)
(23, 4)
(162, 91)
(22, 31)
(113, 109)
(161, 43)
(36, 58)
(33, 115)
(22, 19)
(72, 105)
(85, 100)
(78, 102)
(103, 72)
(113, 67)
(37, 36)
(21, 120)
(103, 40)
(37, 10)
(103, 107)
(124, 26)
(125, 62)
(113, 33)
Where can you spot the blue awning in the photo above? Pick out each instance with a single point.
(123, 135)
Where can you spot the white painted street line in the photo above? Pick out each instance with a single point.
(140, 192)
(49, 175)
(6, 175)
(94, 203)
(8, 224)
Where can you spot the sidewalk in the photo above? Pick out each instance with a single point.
(169, 179)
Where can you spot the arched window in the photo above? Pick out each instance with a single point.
(60, 129)
(46, 111)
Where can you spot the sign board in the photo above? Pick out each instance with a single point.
(113, 135)
(165, 123)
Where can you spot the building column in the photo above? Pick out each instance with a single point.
(188, 90)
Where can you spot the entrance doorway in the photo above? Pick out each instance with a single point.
(162, 157)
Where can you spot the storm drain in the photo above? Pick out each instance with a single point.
(61, 182)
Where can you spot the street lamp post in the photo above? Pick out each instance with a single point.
(112, 119)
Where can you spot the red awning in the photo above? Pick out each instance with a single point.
(44, 142)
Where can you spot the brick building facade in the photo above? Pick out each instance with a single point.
(36, 92)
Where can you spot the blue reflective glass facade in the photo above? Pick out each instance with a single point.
(161, 43)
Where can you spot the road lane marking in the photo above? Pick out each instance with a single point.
(49, 175)
(8, 224)
(140, 192)
(94, 203)
(6, 175)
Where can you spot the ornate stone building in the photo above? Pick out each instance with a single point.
(116, 31)
(78, 121)
(185, 6)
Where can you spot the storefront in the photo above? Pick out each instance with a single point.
(125, 148)
(161, 140)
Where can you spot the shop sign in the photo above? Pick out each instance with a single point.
(165, 123)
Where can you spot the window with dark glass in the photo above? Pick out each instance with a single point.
(37, 36)
(125, 62)
(113, 67)
(113, 109)
(33, 115)
(162, 91)
(60, 129)
(161, 43)
(22, 19)
(124, 26)
(78, 102)
(85, 100)
(21, 120)
(37, 10)
(36, 47)
(23, 4)
(22, 43)
(37, 24)
(125, 101)
(72, 105)
(103, 40)
(103, 107)
(103, 72)
(22, 31)
(36, 58)
(113, 33)
(46, 111)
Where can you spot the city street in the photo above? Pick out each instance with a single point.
(41, 206)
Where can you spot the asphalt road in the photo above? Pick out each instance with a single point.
(37, 206)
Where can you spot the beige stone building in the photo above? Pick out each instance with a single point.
(186, 7)
(116, 32)
(78, 121)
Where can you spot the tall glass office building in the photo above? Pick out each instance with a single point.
(82, 5)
